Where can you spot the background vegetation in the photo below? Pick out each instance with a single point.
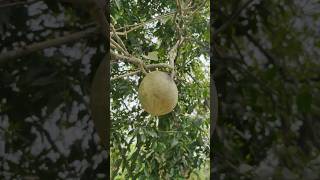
(173, 145)
(49, 53)
(267, 73)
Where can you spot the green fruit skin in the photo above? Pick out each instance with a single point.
(158, 93)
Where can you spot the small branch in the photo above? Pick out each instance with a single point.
(238, 132)
(48, 136)
(138, 62)
(118, 38)
(171, 131)
(179, 6)
(143, 70)
(45, 44)
(159, 65)
(197, 8)
(113, 46)
(136, 26)
(173, 54)
(257, 44)
(132, 60)
(271, 59)
(232, 18)
(145, 22)
(12, 4)
(125, 75)
(236, 61)
(117, 46)
(119, 33)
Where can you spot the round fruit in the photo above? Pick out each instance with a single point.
(158, 94)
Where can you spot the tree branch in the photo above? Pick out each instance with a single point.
(115, 45)
(48, 136)
(232, 18)
(236, 61)
(9, 4)
(159, 65)
(45, 44)
(269, 57)
(118, 38)
(136, 26)
(125, 75)
(132, 60)
(138, 61)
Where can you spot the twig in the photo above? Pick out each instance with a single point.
(113, 46)
(12, 4)
(257, 44)
(48, 136)
(199, 7)
(232, 18)
(125, 75)
(45, 44)
(117, 46)
(179, 6)
(118, 38)
(136, 26)
(142, 68)
(171, 131)
(269, 56)
(159, 65)
(173, 54)
(138, 61)
(132, 60)
(237, 62)
(151, 20)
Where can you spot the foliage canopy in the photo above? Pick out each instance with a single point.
(173, 145)
(267, 74)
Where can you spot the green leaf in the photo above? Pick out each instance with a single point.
(174, 142)
(143, 138)
(152, 133)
